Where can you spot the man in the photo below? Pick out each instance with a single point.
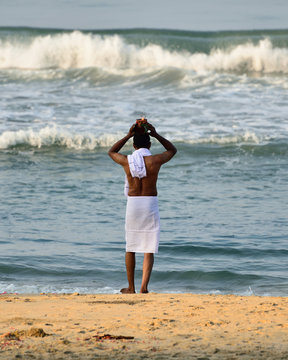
(142, 215)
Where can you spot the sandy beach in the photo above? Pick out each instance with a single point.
(157, 326)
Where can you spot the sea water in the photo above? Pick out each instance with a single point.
(220, 97)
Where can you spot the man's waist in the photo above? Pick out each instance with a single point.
(142, 196)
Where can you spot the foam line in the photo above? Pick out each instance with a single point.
(53, 136)
(112, 53)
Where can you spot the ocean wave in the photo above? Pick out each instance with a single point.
(115, 55)
(52, 136)
(245, 138)
(194, 250)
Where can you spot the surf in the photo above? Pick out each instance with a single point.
(58, 137)
(119, 54)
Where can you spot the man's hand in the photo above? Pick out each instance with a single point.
(151, 130)
(131, 131)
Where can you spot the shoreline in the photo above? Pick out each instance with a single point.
(142, 326)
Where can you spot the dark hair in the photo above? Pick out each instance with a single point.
(141, 140)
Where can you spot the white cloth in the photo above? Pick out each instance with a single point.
(142, 224)
(136, 165)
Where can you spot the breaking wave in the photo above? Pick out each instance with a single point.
(114, 54)
(53, 136)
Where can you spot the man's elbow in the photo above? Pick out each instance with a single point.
(172, 152)
(110, 153)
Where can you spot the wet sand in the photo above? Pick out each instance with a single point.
(143, 326)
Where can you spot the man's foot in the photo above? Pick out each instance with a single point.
(144, 291)
(127, 291)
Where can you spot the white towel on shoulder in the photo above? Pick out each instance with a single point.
(136, 165)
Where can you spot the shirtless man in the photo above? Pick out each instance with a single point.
(142, 216)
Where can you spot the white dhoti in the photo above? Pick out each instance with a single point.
(142, 224)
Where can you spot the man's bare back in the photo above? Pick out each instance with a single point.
(145, 186)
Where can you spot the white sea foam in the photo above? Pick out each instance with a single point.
(6, 288)
(113, 54)
(245, 138)
(54, 136)
(50, 136)
(10, 288)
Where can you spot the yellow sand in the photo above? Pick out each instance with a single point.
(163, 326)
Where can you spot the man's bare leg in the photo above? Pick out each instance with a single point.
(147, 269)
(130, 269)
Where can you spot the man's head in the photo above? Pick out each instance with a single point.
(141, 141)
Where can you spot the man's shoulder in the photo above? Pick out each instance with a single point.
(118, 158)
(162, 158)
(153, 158)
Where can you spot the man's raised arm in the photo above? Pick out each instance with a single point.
(170, 148)
(114, 151)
